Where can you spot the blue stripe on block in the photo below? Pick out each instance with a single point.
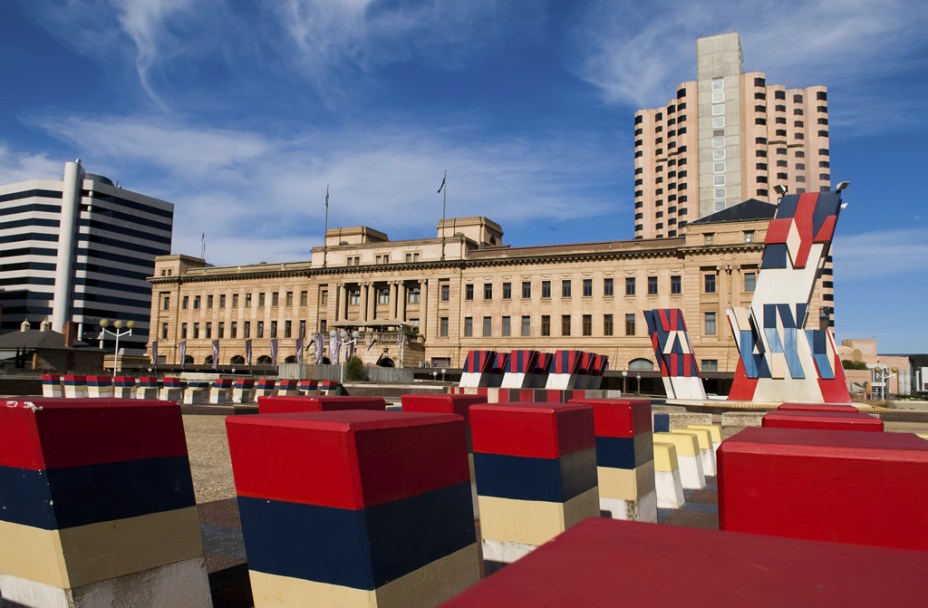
(65, 498)
(625, 452)
(523, 478)
(362, 549)
(661, 423)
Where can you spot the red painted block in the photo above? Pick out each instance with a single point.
(818, 407)
(346, 459)
(442, 404)
(619, 417)
(826, 421)
(283, 404)
(843, 486)
(601, 563)
(42, 434)
(536, 430)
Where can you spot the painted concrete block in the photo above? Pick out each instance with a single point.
(836, 421)
(667, 482)
(688, 457)
(320, 403)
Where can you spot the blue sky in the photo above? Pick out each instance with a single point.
(241, 112)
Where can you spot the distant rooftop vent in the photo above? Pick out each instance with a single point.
(25, 325)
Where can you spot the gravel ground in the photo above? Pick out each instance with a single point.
(208, 449)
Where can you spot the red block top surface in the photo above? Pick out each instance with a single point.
(283, 404)
(346, 459)
(818, 407)
(619, 417)
(826, 485)
(40, 434)
(834, 421)
(442, 404)
(604, 563)
(537, 430)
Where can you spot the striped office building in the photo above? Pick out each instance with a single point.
(80, 249)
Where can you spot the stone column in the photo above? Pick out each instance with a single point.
(362, 308)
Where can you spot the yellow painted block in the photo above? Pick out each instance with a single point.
(533, 522)
(104, 550)
(715, 431)
(922, 435)
(687, 445)
(702, 436)
(430, 585)
(626, 484)
(665, 457)
(32, 553)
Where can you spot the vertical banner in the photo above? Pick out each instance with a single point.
(248, 352)
(333, 349)
(216, 355)
(299, 351)
(274, 347)
(318, 342)
(154, 354)
(182, 350)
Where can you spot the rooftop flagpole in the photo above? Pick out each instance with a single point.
(203, 245)
(444, 204)
(325, 244)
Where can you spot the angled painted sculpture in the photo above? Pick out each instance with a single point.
(674, 353)
(781, 360)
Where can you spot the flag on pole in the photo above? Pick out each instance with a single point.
(203, 245)
(299, 351)
(248, 352)
(182, 350)
(154, 353)
(440, 188)
(274, 347)
(326, 196)
(216, 355)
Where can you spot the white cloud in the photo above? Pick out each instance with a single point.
(19, 167)
(637, 54)
(262, 199)
(880, 254)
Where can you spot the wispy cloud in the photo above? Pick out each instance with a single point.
(637, 54)
(880, 254)
(18, 167)
(265, 196)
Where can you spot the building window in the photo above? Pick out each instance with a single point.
(630, 324)
(260, 333)
(288, 299)
(587, 288)
(165, 302)
(545, 325)
(304, 297)
(233, 329)
(196, 331)
(469, 292)
(709, 283)
(183, 331)
(209, 301)
(709, 365)
(488, 291)
(222, 300)
(709, 238)
(196, 302)
(383, 295)
(630, 286)
(185, 302)
(526, 325)
(487, 326)
(260, 299)
(652, 286)
(607, 325)
(565, 325)
(247, 330)
(710, 323)
(275, 299)
(507, 291)
(608, 287)
(248, 300)
(302, 328)
(273, 329)
(443, 327)
(749, 236)
(415, 292)
(506, 329)
(354, 297)
(526, 289)
(546, 289)
(565, 288)
(468, 327)
(208, 330)
(164, 331)
(750, 281)
(445, 292)
(587, 325)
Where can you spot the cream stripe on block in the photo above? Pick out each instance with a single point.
(627, 484)
(665, 457)
(706, 453)
(108, 549)
(32, 553)
(429, 585)
(533, 522)
(690, 464)
(715, 431)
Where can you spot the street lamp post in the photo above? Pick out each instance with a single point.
(624, 381)
(343, 342)
(443, 372)
(638, 378)
(115, 332)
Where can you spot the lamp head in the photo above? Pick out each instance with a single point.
(130, 324)
(117, 323)
(780, 189)
(841, 186)
(355, 334)
(104, 322)
(332, 333)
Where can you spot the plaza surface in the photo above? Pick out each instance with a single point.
(219, 520)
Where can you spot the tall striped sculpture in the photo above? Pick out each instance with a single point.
(565, 370)
(477, 368)
(674, 353)
(536, 474)
(780, 360)
(519, 368)
(97, 506)
(354, 508)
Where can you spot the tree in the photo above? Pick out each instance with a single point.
(354, 369)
